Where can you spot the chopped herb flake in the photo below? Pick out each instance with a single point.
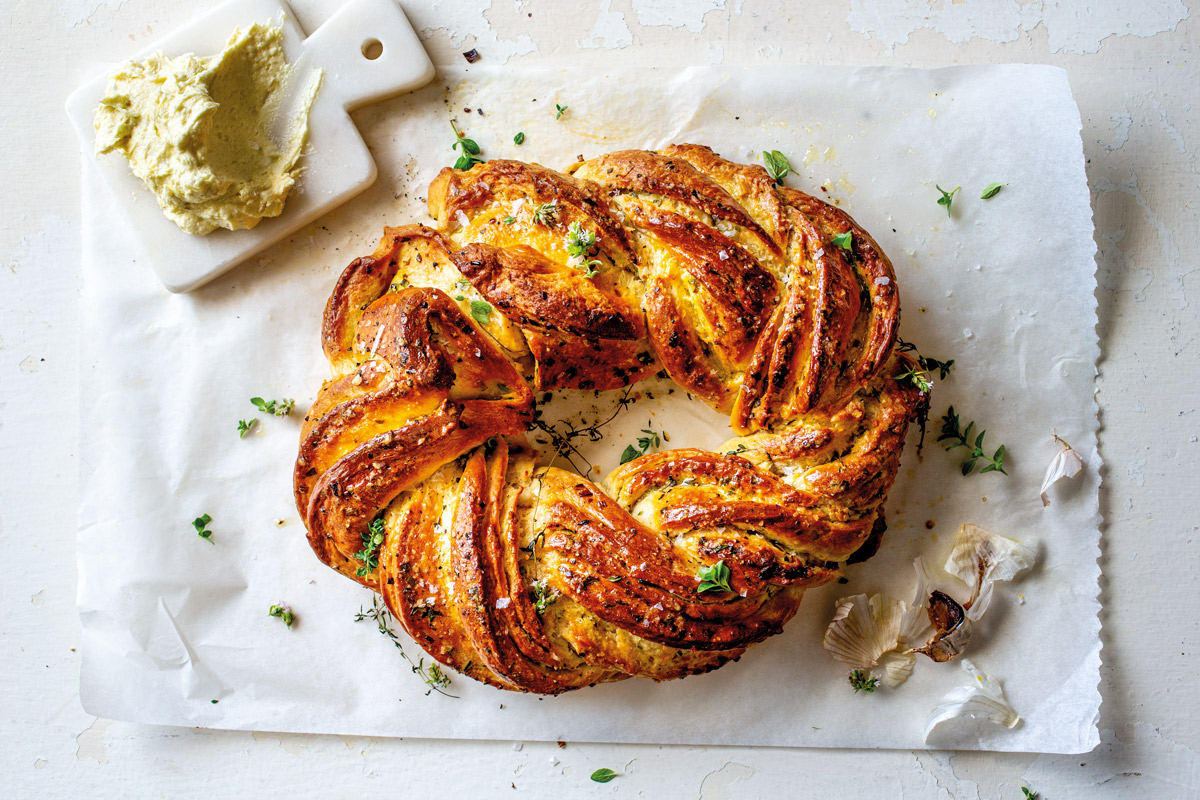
(519, 138)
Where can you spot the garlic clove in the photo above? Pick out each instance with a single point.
(953, 629)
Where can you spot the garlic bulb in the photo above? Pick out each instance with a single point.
(1065, 464)
(983, 698)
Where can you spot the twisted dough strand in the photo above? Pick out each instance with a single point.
(533, 578)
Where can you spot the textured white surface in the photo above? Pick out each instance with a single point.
(1136, 95)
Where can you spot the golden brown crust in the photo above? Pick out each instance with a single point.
(536, 579)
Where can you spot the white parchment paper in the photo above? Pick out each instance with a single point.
(175, 628)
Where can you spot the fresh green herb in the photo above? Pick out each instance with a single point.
(604, 775)
(280, 408)
(947, 198)
(918, 378)
(481, 311)
(559, 111)
(564, 442)
(1029, 793)
(613, 578)
(372, 538)
(546, 213)
(844, 241)
(863, 682)
(543, 595)
(433, 676)
(952, 432)
(777, 165)
(284, 613)
(200, 523)
(991, 190)
(644, 443)
(580, 244)
(244, 426)
(470, 150)
(519, 138)
(714, 577)
(509, 220)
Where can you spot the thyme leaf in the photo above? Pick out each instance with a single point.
(244, 426)
(603, 775)
(991, 190)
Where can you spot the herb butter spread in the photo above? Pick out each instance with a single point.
(216, 139)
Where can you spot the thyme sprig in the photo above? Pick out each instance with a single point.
(200, 523)
(546, 213)
(563, 441)
(372, 538)
(433, 676)
(863, 682)
(278, 408)
(470, 149)
(644, 443)
(920, 379)
(953, 433)
(543, 595)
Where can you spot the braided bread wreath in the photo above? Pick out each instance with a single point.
(533, 578)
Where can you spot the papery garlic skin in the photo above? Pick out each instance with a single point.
(863, 629)
(983, 698)
(980, 557)
(1065, 464)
